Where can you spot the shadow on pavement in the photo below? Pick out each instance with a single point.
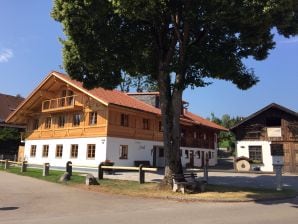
(8, 208)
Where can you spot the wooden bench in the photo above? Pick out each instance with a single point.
(188, 180)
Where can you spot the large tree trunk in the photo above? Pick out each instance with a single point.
(171, 103)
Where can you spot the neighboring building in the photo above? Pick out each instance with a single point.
(273, 129)
(9, 147)
(66, 122)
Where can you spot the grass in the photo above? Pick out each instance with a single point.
(54, 175)
(153, 190)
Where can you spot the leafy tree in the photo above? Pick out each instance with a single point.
(9, 140)
(177, 43)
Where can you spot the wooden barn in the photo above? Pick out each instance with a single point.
(273, 128)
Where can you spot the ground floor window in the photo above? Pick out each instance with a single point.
(59, 151)
(91, 151)
(198, 154)
(74, 151)
(33, 151)
(123, 152)
(186, 154)
(255, 153)
(45, 150)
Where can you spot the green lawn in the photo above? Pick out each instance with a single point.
(153, 190)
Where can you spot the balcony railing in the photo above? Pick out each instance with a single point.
(62, 103)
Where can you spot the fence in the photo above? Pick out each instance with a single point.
(69, 166)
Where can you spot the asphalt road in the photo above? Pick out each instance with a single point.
(27, 200)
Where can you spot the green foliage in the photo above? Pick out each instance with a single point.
(9, 134)
(226, 139)
(196, 38)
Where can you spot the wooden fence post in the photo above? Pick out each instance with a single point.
(6, 164)
(141, 174)
(46, 169)
(69, 168)
(100, 172)
(23, 166)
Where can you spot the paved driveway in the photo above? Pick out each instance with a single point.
(27, 200)
(224, 178)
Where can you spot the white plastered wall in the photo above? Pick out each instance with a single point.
(242, 150)
(198, 160)
(137, 150)
(100, 151)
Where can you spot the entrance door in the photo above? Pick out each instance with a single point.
(191, 158)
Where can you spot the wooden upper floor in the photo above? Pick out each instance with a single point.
(272, 123)
(61, 108)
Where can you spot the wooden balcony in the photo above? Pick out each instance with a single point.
(61, 104)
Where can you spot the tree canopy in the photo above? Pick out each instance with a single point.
(177, 43)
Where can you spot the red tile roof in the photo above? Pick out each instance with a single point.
(201, 121)
(123, 99)
(112, 96)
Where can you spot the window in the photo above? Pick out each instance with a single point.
(45, 150)
(91, 151)
(48, 123)
(76, 120)
(198, 154)
(160, 127)
(273, 121)
(35, 124)
(59, 151)
(209, 155)
(61, 121)
(146, 124)
(33, 151)
(92, 118)
(195, 135)
(123, 152)
(124, 120)
(255, 153)
(74, 151)
(161, 152)
(186, 154)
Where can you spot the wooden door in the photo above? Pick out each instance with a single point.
(21, 153)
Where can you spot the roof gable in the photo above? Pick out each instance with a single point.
(270, 106)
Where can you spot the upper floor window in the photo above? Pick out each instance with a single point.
(195, 135)
(48, 123)
(67, 97)
(76, 119)
(160, 127)
(273, 121)
(35, 124)
(92, 118)
(146, 123)
(124, 120)
(61, 121)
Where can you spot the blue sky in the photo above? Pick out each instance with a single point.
(29, 50)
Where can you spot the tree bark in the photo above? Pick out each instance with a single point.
(171, 104)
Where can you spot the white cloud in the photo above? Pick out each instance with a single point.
(5, 55)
